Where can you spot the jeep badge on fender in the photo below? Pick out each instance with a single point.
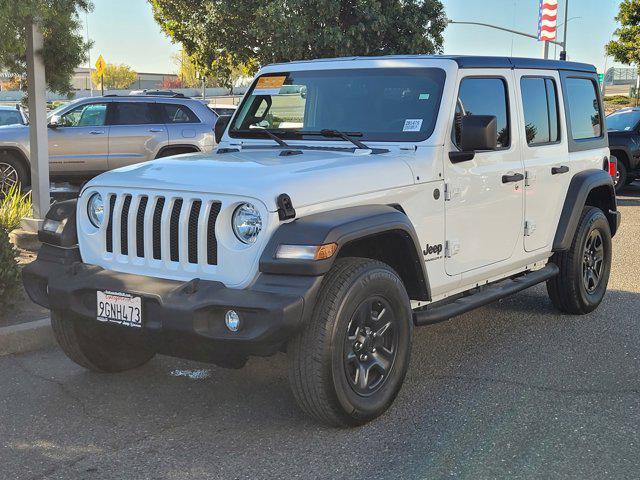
(303, 232)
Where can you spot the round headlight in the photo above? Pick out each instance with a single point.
(95, 209)
(247, 223)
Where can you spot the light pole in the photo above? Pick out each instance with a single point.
(563, 53)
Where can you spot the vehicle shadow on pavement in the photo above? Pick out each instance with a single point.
(513, 389)
(630, 196)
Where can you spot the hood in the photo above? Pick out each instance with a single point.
(308, 178)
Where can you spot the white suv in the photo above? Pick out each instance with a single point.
(349, 201)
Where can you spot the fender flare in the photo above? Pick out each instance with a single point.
(194, 148)
(582, 184)
(342, 226)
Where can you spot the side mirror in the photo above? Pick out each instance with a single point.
(477, 133)
(54, 122)
(220, 127)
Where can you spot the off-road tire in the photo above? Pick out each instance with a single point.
(567, 290)
(317, 366)
(100, 348)
(623, 178)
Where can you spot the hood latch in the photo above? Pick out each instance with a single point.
(285, 207)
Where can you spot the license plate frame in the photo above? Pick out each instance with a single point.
(120, 308)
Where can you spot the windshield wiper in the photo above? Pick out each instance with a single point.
(269, 133)
(348, 136)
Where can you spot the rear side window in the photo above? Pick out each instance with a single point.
(133, 113)
(540, 103)
(175, 113)
(485, 96)
(584, 109)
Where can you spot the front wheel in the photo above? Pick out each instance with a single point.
(585, 267)
(98, 347)
(348, 364)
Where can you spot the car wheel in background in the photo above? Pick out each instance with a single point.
(12, 172)
(620, 180)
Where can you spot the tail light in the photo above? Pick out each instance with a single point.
(612, 168)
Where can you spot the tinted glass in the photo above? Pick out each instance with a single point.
(137, 113)
(10, 117)
(539, 100)
(623, 121)
(584, 110)
(384, 104)
(90, 115)
(485, 96)
(224, 111)
(178, 114)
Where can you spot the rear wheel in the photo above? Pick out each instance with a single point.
(585, 267)
(100, 348)
(621, 179)
(348, 364)
(12, 172)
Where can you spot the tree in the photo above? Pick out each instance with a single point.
(64, 47)
(626, 49)
(116, 77)
(171, 83)
(223, 35)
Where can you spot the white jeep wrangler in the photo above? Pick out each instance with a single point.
(349, 201)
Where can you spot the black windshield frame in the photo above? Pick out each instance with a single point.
(435, 75)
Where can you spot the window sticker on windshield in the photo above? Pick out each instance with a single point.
(412, 125)
(269, 85)
(424, 96)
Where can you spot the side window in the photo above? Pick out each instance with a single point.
(540, 104)
(133, 113)
(584, 109)
(175, 113)
(89, 115)
(484, 96)
(10, 117)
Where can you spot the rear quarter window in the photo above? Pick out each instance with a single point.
(584, 109)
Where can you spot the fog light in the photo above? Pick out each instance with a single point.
(232, 320)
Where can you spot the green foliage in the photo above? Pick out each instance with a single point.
(14, 206)
(626, 49)
(115, 77)
(222, 35)
(64, 47)
(9, 270)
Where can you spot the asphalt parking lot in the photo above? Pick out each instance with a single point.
(513, 390)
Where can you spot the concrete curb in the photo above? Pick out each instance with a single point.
(26, 337)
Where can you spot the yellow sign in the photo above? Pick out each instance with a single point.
(100, 64)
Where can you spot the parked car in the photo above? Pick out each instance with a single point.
(92, 135)
(223, 109)
(416, 189)
(623, 129)
(12, 115)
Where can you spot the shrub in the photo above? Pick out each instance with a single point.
(14, 206)
(9, 270)
(617, 100)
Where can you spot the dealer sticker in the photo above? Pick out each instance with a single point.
(412, 125)
(269, 85)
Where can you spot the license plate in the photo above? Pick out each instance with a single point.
(120, 308)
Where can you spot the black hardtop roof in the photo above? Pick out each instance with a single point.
(471, 61)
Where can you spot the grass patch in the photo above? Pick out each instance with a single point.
(14, 206)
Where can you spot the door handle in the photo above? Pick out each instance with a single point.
(96, 132)
(156, 130)
(513, 177)
(559, 170)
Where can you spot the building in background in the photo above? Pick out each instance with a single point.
(82, 79)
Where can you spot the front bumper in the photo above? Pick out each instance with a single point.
(184, 319)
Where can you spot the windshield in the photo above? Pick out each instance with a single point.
(382, 104)
(623, 121)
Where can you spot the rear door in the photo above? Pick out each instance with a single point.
(484, 196)
(137, 133)
(545, 154)
(80, 142)
(183, 126)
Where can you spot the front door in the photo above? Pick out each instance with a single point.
(80, 141)
(484, 196)
(137, 133)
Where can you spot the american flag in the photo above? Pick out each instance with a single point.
(547, 20)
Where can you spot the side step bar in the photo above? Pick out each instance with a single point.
(486, 295)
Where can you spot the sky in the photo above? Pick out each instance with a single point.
(124, 31)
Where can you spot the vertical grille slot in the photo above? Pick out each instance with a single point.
(157, 217)
(174, 223)
(142, 208)
(109, 239)
(192, 233)
(212, 242)
(124, 226)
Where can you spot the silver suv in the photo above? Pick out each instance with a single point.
(93, 135)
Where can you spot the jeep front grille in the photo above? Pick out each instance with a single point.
(171, 229)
